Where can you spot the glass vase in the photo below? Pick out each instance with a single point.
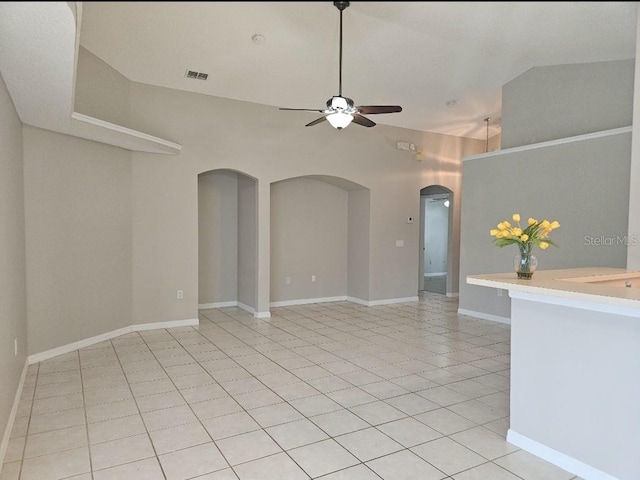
(525, 263)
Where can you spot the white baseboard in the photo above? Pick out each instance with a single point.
(262, 314)
(246, 308)
(206, 306)
(169, 324)
(54, 352)
(307, 301)
(558, 459)
(4, 445)
(387, 301)
(453, 294)
(435, 274)
(485, 316)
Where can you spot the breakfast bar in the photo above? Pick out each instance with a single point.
(575, 368)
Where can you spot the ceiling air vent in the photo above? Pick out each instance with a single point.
(196, 75)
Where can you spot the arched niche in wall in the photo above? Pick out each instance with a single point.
(436, 222)
(319, 240)
(227, 239)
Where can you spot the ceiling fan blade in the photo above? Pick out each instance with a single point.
(364, 121)
(369, 109)
(303, 109)
(315, 122)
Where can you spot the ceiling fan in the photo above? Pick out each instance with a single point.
(341, 111)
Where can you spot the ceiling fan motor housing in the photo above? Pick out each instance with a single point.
(341, 104)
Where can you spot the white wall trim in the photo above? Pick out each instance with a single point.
(551, 143)
(12, 415)
(453, 294)
(54, 352)
(70, 347)
(169, 324)
(389, 301)
(561, 460)
(485, 316)
(306, 301)
(573, 303)
(262, 314)
(246, 308)
(359, 301)
(435, 274)
(206, 306)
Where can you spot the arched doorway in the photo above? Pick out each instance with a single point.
(436, 217)
(227, 240)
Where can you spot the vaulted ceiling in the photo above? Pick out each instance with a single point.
(444, 62)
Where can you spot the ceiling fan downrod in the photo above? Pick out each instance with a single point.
(340, 6)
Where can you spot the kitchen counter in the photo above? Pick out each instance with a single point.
(575, 368)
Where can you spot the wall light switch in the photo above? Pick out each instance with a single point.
(399, 243)
(287, 280)
(313, 278)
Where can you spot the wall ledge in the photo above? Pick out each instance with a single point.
(551, 143)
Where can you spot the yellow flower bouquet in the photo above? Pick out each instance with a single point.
(535, 234)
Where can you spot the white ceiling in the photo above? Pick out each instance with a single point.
(419, 55)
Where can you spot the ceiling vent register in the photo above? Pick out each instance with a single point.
(196, 75)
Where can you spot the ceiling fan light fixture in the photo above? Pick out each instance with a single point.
(339, 120)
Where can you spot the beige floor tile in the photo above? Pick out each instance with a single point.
(215, 407)
(230, 425)
(296, 434)
(339, 422)
(247, 446)
(485, 471)
(322, 458)
(275, 467)
(55, 441)
(168, 417)
(56, 420)
(409, 432)
(478, 412)
(412, 467)
(115, 429)
(192, 462)
(159, 401)
(484, 442)
(15, 449)
(368, 444)
(10, 471)
(359, 472)
(180, 437)
(275, 414)
(529, 467)
(57, 465)
(148, 469)
(377, 413)
(445, 421)
(123, 450)
(448, 456)
(109, 411)
(351, 397)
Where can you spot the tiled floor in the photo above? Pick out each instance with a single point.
(334, 391)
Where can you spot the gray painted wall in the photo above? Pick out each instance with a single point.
(218, 237)
(78, 238)
(358, 251)
(247, 240)
(101, 91)
(584, 185)
(549, 103)
(13, 294)
(308, 237)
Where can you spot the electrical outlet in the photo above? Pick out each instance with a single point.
(313, 278)
(287, 280)
(180, 294)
